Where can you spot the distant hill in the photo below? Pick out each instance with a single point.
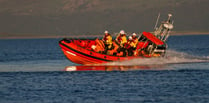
(72, 17)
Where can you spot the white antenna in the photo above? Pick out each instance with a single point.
(169, 16)
(157, 21)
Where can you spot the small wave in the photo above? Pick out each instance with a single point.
(172, 57)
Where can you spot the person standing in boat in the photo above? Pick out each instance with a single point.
(121, 40)
(107, 41)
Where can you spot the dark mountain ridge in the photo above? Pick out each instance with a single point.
(69, 17)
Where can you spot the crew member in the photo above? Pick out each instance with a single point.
(130, 46)
(118, 38)
(135, 39)
(107, 41)
(121, 40)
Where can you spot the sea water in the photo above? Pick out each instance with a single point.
(32, 71)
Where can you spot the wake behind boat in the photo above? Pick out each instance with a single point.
(114, 68)
(94, 51)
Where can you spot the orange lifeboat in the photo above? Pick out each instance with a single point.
(90, 51)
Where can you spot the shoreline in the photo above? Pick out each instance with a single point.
(87, 36)
(189, 33)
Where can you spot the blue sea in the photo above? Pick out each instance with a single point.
(32, 71)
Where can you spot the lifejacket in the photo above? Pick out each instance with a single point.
(114, 50)
(109, 40)
(105, 37)
(129, 44)
(135, 39)
(118, 38)
(123, 40)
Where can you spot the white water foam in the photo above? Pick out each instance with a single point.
(172, 57)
